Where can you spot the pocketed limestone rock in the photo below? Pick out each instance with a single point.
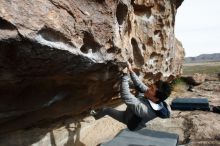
(61, 58)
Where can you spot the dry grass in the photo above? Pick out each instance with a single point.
(212, 68)
(180, 88)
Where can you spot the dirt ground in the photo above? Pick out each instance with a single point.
(200, 127)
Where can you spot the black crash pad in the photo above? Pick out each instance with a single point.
(190, 104)
(143, 137)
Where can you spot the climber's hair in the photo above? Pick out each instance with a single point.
(163, 90)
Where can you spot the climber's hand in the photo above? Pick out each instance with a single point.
(129, 67)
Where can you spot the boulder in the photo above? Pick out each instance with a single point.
(195, 79)
(60, 58)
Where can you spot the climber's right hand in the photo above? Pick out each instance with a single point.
(129, 67)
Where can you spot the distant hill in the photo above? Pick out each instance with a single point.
(203, 58)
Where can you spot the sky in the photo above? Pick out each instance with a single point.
(197, 26)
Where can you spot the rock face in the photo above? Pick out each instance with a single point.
(60, 58)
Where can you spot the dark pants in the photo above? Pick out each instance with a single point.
(117, 115)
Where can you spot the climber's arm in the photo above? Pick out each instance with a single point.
(140, 86)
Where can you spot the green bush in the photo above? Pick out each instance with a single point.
(178, 81)
(179, 85)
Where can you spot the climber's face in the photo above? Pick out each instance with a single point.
(151, 93)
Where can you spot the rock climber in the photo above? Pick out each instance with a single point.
(148, 105)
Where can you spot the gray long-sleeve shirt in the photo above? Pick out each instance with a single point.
(138, 106)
